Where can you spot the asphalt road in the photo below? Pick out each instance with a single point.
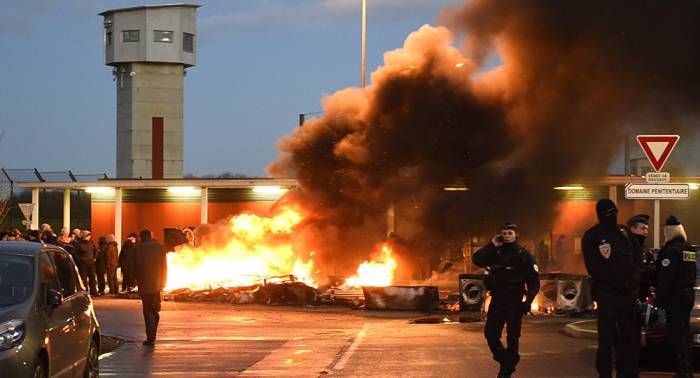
(219, 340)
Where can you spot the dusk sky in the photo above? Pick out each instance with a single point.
(259, 64)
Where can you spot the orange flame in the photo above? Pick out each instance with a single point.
(371, 273)
(257, 247)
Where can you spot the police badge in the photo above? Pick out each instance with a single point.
(605, 250)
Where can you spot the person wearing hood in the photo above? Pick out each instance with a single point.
(609, 256)
(512, 274)
(675, 281)
(111, 258)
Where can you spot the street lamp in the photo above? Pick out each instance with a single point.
(364, 39)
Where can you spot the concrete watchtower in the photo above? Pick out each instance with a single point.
(150, 47)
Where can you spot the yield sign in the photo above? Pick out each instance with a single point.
(657, 148)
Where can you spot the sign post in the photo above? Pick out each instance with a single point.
(658, 186)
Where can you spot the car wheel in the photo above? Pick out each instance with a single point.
(39, 369)
(92, 365)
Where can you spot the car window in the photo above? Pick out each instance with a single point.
(16, 278)
(66, 273)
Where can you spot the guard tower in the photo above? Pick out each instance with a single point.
(149, 48)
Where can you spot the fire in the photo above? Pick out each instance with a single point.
(375, 273)
(256, 247)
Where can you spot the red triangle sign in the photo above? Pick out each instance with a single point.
(657, 148)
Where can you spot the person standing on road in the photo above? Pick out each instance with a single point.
(86, 252)
(676, 273)
(609, 255)
(125, 262)
(639, 228)
(151, 272)
(101, 265)
(512, 274)
(111, 257)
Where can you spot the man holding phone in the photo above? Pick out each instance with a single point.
(511, 275)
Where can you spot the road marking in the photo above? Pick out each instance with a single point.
(348, 353)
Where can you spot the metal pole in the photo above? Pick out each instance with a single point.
(35, 210)
(657, 224)
(204, 206)
(364, 39)
(118, 215)
(66, 209)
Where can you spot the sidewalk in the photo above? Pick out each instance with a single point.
(582, 329)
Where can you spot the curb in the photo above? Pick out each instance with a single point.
(576, 330)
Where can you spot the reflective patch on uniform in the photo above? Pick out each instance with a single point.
(665, 262)
(605, 250)
(536, 268)
(689, 256)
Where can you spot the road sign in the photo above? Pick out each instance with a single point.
(657, 148)
(658, 177)
(657, 191)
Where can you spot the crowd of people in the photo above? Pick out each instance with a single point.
(98, 261)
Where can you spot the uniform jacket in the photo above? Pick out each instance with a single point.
(150, 266)
(675, 270)
(512, 271)
(611, 259)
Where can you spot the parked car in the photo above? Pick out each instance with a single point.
(47, 324)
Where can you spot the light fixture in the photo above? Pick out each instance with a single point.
(99, 190)
(184, 190)
(569, 187)
(269, 190)
(694, 186)
(107, 23)
(459, 65)
(455, 189)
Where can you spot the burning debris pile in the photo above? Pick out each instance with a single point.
(244, 260)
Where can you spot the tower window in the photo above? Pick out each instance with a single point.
(188, 42)
(130, 35)
(108, 37)
(163, 36)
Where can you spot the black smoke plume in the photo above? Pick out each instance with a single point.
(574, 78)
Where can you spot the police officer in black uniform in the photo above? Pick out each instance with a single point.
(639, 230)
(511, 274)
(674, 291)
(611, 260)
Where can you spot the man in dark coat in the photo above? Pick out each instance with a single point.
(86, 252)
(126, 262)
(512, 273)
(675, 281)
(609, 254)
(639, 230)
(151, 272)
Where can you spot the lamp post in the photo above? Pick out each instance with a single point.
(364, 39)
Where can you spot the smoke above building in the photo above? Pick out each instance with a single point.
(574, 78)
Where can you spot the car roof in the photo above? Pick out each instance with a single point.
(21, 248)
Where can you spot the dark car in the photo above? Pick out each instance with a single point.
(654, 331)
(47, 324)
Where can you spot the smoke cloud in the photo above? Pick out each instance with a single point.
(575, 78)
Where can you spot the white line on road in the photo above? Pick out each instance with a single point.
(348, 353)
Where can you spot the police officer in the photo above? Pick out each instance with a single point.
(639, 229)
(674, 291)
(511, 274)
(609, 255)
